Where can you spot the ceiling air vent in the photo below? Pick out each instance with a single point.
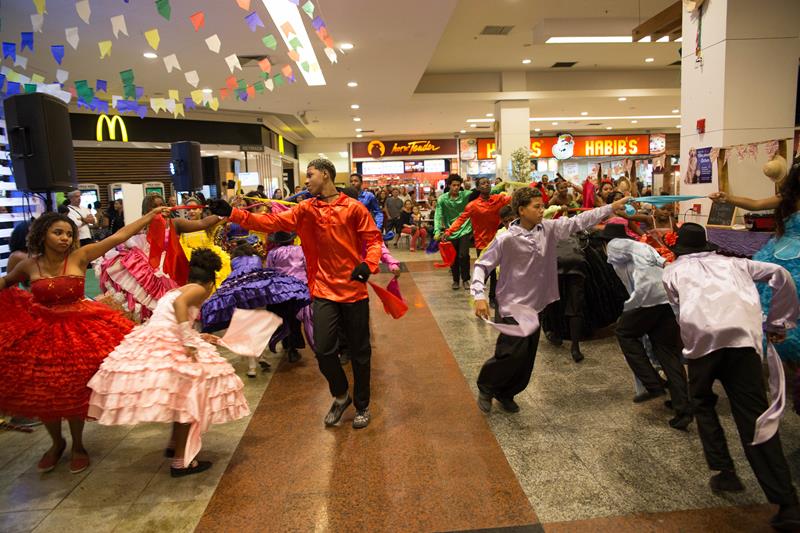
(367, 131)
(496, 30)
(563, 64)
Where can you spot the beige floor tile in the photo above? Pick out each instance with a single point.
(31, 491)
(103, 488)
(198, 487)
(172, 517)
(83, 520)
(22, 521)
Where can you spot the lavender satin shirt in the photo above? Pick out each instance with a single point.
(640, 268)
(288, 260)
(717, 304)
(528, 262)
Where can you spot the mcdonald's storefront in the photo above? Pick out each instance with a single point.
(127, 149)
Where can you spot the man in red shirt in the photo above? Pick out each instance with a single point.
(334, 230)
(484, 212)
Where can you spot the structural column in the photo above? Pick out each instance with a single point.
(512, 122)
(744, 85)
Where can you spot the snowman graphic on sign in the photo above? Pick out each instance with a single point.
(564, 147)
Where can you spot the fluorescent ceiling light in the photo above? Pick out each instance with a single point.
(678, 126)
(287, 15)
(554, 123)
(636, 117)
(676, 110)
(480, 120)
(346, 46)
(150, 55)
(356, 119)
(490, 115)
(473, 125)
(609, 128)
(462, 131)
(621, 98)
(584, 113)
(343, 154)
(634, 121)
(645, 39)
(526, 61)
(321, 154)
(359, 130)
(352, 84)
(664, 39)
(589, 39)
(679, 39)
(359, 135)
(537, 129)
(649, 60)
(355, 106)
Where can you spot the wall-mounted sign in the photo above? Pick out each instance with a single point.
(586, 146)
(377, 149)
(111, 127)
(251, 148)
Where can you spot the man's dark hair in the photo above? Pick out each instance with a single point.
(451, 178)
(324, 165)
(505, 212)
(359, 176)
(522, 197)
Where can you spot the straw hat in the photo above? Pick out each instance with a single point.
(776, 169)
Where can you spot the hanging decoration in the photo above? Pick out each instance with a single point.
(198, 20)
(72, 37)
(163, 8)
(37, 22)
(10, 50)
(105, 48)
(244, 4)
(171, 62)
(84, 10)
(118, 26)
(192, 78)
(57, 50)
(41, 6)
(253, 21)
(270, 42)
(153, 38)
(214, 43)
(26, 40)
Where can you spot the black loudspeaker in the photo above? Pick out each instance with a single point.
(187, 166)
(38, 131)
(211, 170)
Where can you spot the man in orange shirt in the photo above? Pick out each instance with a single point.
(334, 229)
(484, 212)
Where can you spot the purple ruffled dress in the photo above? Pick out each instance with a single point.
(251, 286)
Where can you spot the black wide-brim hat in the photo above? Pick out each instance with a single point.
(692, 240)
(612, 231)
(282, 237)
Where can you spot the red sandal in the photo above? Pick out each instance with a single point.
(48, 463)
(78, 463)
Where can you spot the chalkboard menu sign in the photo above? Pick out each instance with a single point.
(722, 215)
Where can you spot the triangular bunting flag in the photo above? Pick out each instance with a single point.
(331, 53)
(153, 38)
(84, 10)
(171, 62)
(244, 4)
(41, 6)
(72, 37)
(198, 20)
(253, 21)
(231, 82)
(270, 42)
(26, 40)
(308, 7)
(233, 62)
(214, 103)
(105, 48)
(62, 75)
(173, 94)
(178, 110)
(265, 65)
(118, 26)
(192, 78)
(57, 50)
(164, 8)
(197, 96)
(37, 21)
(21, 61)
(213, 43)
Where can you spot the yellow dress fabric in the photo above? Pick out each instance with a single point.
(201, 239)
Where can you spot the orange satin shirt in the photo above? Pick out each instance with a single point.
(333, 236)
(485, 216)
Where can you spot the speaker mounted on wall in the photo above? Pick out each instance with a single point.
(40, 139)
(186, 166)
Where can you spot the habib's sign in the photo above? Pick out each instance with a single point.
(566, 146)
(377, 149)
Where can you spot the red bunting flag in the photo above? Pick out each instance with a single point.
(251, 91)
(223, 93)
(198, 20)
(265, 65)
(231, 82)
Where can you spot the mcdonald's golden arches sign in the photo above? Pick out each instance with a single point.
(111, 126)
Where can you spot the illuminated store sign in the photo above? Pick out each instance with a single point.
(111, 126)
(566, 146)
(377, 149)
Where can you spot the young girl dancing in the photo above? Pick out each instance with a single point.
(52, 340)
(166, 371)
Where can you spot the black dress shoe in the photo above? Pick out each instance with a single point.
(466, 285)
(647, 395)
(787, 519)
(294, 355)
(553, 338)
(508, 405)
(484, 402)
(726, 481)
(336, 411)
(577, 356)
(195, 467)
(455, 285)
(681, 422)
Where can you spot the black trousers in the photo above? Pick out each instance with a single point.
(659, 324)
(739, 371)
(492, 279)
(460, 267)
(353, 319)
(295, 338)
(508, 373)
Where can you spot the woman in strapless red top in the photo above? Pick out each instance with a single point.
(52, 339)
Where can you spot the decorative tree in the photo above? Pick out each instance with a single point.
(521, 164)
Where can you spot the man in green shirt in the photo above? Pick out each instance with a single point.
(448, 207)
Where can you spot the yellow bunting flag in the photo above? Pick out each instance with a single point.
(178, 110)
(214, 103)
(40, 6)
(197, 96)
(152, 38)
(174, 95)
(105, 48)
(37, 78)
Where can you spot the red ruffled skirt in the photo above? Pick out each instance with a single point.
(49, 353)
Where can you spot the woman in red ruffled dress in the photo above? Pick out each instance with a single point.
(52, 339)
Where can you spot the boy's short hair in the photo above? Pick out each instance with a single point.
(522, 197)
(506, 212)
(324, 165)
(453, 177)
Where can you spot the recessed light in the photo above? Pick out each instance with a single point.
(621, 98)
(321, 154)
(490, 115)
(343, 154)
(526, 61)
(678, 126)
(554, 123)
(676, 110)
(634, 121)
(584, 113)
(609, 128)
(208, 91)
(590, 40)
(359, 136)
(150, 55)
(359, 130)
(537, 129)
(352, 84)
(462, 131)
(649, 60)
(355, 106)
(346, 46)
(473, 125)
(356, 119)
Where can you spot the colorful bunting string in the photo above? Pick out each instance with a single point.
(198, 20)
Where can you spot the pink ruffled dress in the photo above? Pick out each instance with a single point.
(150, 378)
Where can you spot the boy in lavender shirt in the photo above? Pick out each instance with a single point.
(526, 255)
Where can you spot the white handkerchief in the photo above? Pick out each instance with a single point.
(250, 331)
(527, 321)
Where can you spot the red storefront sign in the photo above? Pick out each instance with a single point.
(377, 149)
(586, 146)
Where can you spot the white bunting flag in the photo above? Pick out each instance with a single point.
(118, 26)
(192, 78)
(72, 37)
(84, 10)
(62, 75)
(233, 62)
(214, 43)
(37, 21)
(21, 61)
(171, 62)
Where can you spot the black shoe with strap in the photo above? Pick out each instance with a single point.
(195, 467)
(726, 481)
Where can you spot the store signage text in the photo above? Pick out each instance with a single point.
(587, 146)
(377, 149)
(111, 127)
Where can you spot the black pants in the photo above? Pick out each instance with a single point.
(393, 224)
(86, 241)
(460, 267)
(353, 318)
(295, 340)
(492, 279)
(739, 371)
(508, 373)
(659, 324)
